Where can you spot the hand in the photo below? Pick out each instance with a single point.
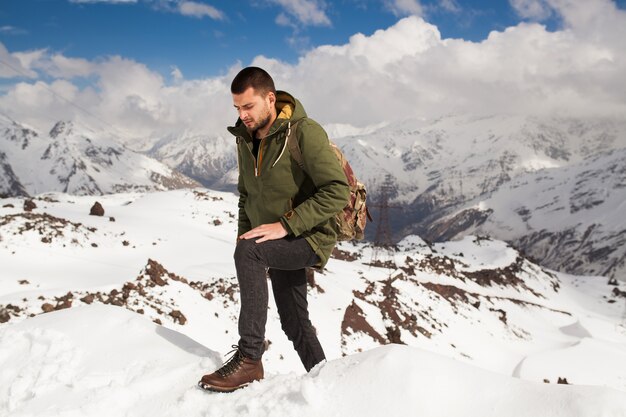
(270, 231)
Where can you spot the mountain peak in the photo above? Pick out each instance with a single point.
(61, 127)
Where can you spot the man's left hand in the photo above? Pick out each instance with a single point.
(265, 232)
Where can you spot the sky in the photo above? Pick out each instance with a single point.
(152, 66)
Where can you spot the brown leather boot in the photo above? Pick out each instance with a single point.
(236, 373)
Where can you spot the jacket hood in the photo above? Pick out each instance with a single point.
(288, 108)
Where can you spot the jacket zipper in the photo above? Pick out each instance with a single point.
(257, 168)
(257, 161)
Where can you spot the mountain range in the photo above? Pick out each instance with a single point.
(77, 160)
(554, 187)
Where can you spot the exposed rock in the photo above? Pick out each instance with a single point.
(88, 299)
(344, 255)
(96, 210)
(47, 307)
(178, 316)
(618, 293)
(4, 315)
(354, 321)
(29, 205)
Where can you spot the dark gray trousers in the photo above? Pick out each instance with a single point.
(286, 259)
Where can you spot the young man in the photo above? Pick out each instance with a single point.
(286, 222)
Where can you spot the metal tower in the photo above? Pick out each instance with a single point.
(382, 240)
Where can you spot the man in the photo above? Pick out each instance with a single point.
(286, 222)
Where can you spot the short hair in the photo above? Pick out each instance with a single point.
(254, 77)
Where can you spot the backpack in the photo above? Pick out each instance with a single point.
(351, 221)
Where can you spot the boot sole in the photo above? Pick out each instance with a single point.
(211, 388)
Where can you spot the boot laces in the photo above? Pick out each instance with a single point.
(233, 363)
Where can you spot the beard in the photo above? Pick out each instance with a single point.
(263, 122)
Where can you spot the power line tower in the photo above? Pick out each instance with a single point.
(383, 243)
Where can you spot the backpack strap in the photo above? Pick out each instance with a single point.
(294, 146)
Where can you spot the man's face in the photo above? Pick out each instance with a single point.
(254, 110)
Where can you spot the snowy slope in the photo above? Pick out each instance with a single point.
(168, 257)
(9, 183)
(212, 161)
(570, 218)
(76, 160)
(97, 360)
(445, 172)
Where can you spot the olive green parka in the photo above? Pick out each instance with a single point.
(272, 187)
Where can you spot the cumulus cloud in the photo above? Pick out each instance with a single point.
(404, 71)
(13, 65)
(305, 12)
(128, 99)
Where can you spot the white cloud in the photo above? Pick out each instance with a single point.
(305, 12)
(532, 9)
(103, 1)
(199, 10)
(450, 6)
(407, 70)
(129, 99)
(184, 7)
(60, 66)
(14, 65)
(405, 7)
(177, 75)
(12, 30)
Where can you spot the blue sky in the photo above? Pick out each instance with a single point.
(157, 34)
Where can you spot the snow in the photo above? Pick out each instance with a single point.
(101, 359)
(486, 355)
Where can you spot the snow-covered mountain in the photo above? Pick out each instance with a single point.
(211, 161)
(570, 218)
(444, 173)
(168, 257)
(76, 160)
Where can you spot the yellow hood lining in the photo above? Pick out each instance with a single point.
(284, 106)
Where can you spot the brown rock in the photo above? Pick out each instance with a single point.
(111, 219)
(4, 315)
(178, 316)
(8, 206)
(88, 299)
(29, 205)
(47, 307)
(96, 210)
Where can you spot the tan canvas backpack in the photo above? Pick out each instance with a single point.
(352, 219)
